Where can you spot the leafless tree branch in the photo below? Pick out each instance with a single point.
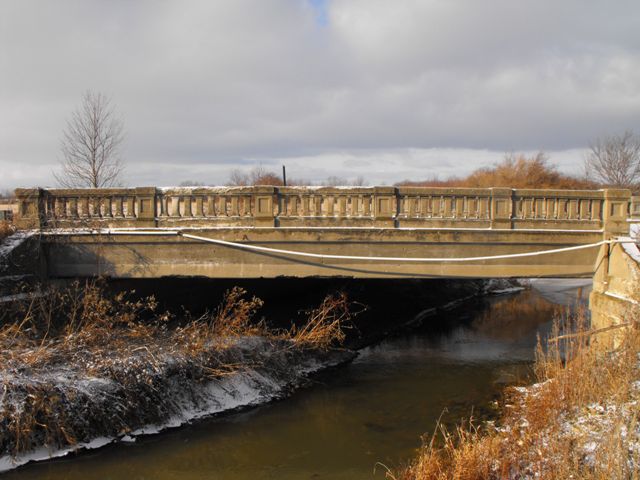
(90, 145)
(615, 160)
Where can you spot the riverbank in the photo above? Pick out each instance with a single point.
(79, 369)
(579, 420)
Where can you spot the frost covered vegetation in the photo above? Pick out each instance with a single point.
(77, 364)
(579, 421)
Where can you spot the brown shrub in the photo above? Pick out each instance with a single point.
(542, 433)
(515, 171)
(6, 229)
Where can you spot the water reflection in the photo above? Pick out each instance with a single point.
(373, 410)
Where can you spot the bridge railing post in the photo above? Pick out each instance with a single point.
(615, 212)
(263, 206)
(501, 208)
(385, 206)
(31, 208)
(146, 206)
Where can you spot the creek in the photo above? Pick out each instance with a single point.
(350, 418)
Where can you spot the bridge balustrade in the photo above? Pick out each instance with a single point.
(389, 207)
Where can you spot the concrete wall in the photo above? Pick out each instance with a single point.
(125, 255)
(615, 298)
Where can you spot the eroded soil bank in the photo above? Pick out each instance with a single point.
(80, 368)
(95, 410)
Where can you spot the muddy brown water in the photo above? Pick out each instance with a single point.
(353, 419)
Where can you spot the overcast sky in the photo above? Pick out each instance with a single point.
(384, 89)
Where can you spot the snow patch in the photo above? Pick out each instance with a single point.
(12, 242)
(246, 388)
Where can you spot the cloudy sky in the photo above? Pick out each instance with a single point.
(384, 89)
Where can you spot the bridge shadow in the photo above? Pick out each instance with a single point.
(346, 270)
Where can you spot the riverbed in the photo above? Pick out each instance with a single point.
(353, 419)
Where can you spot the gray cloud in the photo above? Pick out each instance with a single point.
(415, 85)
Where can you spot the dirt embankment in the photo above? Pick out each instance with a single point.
(78, 368)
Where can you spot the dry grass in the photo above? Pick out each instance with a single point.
(6, 229)
(579, 421)
(325, 324)
(54, 343)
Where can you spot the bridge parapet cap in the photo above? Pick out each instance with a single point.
(217, 190)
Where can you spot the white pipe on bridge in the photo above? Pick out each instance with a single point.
(349, 257)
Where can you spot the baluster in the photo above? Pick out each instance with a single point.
(366, 205)
(458, 207)
(413, 206)
(551, 209)
(526, 208)
(573, 209)
(59, 207)
(596, 210)
(472, 207)
(199, 206)
(130, 206)
(117, 204)
(246, 206)
(538, 208)
(356, 206)
(486, 212)
(291, 208)
(91, 207)
(342, 206)
(186, 206)
(72, 206)
(222, 206)
(303, 204)
(108, 207)
(312, 206)
(584, 209)
(425, 207)
(83, 207)
(328, 205)
(175, 206)
(211, 206)
(562, 208)
(446, 205)
(233, 206)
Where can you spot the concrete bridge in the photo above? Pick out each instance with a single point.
(378, 232)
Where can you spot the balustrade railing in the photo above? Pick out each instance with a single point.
(391, 207)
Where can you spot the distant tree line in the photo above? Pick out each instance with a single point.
(260, 175)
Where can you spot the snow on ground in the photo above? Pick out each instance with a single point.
(277, 373)
(12, 242)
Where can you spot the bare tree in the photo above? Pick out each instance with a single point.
(91, 145)
(615, 160)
